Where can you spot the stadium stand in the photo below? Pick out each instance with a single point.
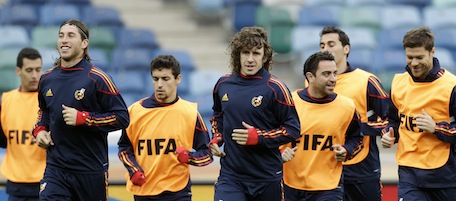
(8, 79)
(103, 38)
(8, 57)
(365, 2)
(319, 15)
(55, 14)
(48, 56)
(20, 14)
(102, 16)
(136, 59)
(443, 3)
(137, 38)
(362, 58)
(370, 16)
(243, 13)
(400, 16)
(279, 23)
(438, 18)
(13, 36)
(361, 37)
(45, 36)
(418, 3)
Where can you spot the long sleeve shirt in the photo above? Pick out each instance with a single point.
(82, 148)
(371, 102)
(445, 131)
(264, 102)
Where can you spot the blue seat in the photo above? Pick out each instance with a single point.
(48, 56)
(362, 58)
(445, 58)
(45, 36)
(183, 89)
(439, 18)
(21, 15)
(361, 38)
(400, 16)
(365, 2)
(29, 2)
(205, 104)
(390, 60)
(56, 14)
(185, 59)
(99, 58)
(418, 3)
(445, 38)
(209, 8)
(102, 38)
(137, 38)
(202, 82)
(319, 15)
(325, 2)
(131, 82)
(131, 59)
(13, 36)
(8, 79)
(107, 16)
(302, 57)
(361, 16)
(78, 3)
(391, 38)
(8, 57)
(243, 14)
(443, 3)
(305, 37)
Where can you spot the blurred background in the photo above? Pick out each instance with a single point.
(126, 35)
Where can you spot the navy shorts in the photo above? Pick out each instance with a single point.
(301, 195)
(408, 191)
(230, 190)
(366, 190)
(65, 186)
(22, 191)
(182, 195)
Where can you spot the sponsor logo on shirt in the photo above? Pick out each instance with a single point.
(225, 97)
(49, 92)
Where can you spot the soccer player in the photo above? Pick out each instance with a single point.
(330, 135)
(362, 173)
(79, 105)
(24, 162)
(157, 147)
(253, 115)
(421, 121)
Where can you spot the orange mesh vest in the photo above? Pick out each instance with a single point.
(417, 148)
(354, 86)
(314, 166)
(24, 160)
(155, 133)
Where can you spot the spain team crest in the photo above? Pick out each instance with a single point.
(256, 101)
(79, 94)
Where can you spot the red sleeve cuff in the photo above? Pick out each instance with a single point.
(81, 117)
(182, 155)
(37, 129)
(253, 136)
(217, 139)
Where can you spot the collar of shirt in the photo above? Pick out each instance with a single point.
(432, 75)
(304, 95)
